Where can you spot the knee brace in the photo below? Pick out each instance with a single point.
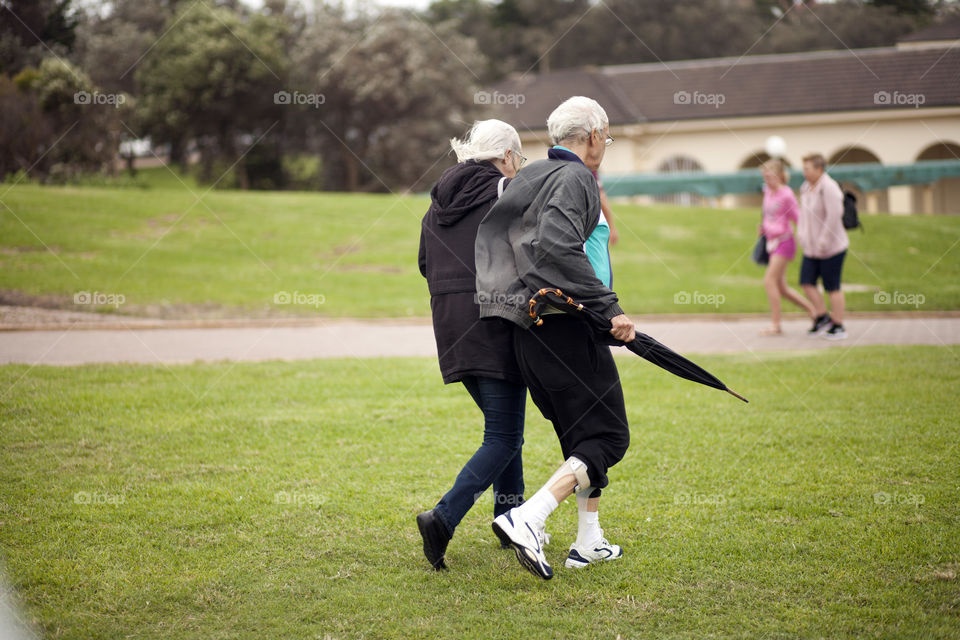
(579, 469)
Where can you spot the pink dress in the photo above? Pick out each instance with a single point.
(779, 210)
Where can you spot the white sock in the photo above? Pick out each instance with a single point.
(588, 522)
(542, 504)
(539, 507)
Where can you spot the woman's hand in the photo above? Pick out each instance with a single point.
(623, 329)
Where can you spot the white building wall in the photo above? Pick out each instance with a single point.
(895, 136)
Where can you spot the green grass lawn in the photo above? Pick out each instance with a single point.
(230, 253)
(277, 500)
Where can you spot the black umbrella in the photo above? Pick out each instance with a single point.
(643, 345)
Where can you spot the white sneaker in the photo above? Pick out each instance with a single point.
(581, 556)
(526, 539)
(546, 542)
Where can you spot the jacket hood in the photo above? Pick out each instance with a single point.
(462, 188)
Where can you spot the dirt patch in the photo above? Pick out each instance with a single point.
(14, 298)
(19, 309)
(15, 251)
(944, 573)
(154, 228)
(338, 251)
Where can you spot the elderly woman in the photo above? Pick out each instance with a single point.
(477, 354)
(779, 210)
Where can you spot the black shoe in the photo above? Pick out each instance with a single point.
(835, 332)
(819, 325)
(435, 538)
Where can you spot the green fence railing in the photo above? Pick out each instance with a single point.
(866, 177)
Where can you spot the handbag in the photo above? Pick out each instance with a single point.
(760, 255)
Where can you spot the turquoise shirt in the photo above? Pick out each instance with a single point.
(597, 247)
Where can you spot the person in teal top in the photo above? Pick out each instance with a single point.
(597, 246)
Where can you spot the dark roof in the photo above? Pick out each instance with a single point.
(541, 93)
(946, 29)
(817, 82)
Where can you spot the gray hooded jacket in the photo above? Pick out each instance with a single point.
(533, 238)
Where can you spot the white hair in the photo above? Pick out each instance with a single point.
(576, 117)
(487, 140)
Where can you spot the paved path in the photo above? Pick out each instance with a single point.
(380, 338)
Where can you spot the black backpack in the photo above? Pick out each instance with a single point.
(851, 219)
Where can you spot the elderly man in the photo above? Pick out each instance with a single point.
(541, 234)
(824, 241)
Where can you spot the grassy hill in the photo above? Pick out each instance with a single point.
(178, 251)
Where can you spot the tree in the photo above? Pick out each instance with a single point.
(23, 129)
(912, 7)
(394, 90)
(211, 81)
(515, 34)
(31, 29)
(845, 24)
(56, 124)
(110, 46)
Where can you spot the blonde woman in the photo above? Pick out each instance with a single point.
(779, 210)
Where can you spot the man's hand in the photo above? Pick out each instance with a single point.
(623, 329)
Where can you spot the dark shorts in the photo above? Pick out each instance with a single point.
(574, 382)
(812, 269)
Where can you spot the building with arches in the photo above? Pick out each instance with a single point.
(888, 105)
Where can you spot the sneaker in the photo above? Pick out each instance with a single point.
(581, 556)
(819, 325)
(526, 539)
(435, 538)
(546, 542)
(835, 332)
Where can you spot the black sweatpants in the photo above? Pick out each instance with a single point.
(573, 380)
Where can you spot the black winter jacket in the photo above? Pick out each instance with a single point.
(466, 345)
(533, 238)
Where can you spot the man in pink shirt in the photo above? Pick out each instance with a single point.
(824, 242)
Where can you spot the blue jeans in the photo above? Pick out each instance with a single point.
(498, 461)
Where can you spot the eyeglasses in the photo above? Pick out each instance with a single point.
(606, 141)
(521, 160)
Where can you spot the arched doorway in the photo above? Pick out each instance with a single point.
(943, 196)
(681, 164)
(870, 201)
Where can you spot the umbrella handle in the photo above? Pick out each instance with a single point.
(532, 305)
